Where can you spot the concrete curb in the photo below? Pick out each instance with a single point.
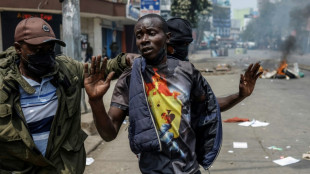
(304, 67)
(92, 142)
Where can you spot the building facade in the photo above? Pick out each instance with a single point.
(244, 16)
(221, 20)
(103, 22)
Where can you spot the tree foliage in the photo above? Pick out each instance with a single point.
(190, 9)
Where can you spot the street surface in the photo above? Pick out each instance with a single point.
(282, 103)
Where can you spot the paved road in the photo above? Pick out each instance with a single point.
(282, 103)
(269, 59)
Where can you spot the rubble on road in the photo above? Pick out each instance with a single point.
(284, 71)
(219, 69)
(223, 67)
(306, 156)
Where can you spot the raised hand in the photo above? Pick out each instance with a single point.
(95, 82)
(248, 80)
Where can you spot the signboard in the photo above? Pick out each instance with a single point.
(9, 20)
(149, 6)
(222, 2)
(221, 16)
(46, 17)
(221, 20)
(132, 11)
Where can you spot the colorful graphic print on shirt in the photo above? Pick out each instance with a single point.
(166, 108)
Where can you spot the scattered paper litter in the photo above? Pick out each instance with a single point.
(246, 123)
(89, 161)
(286, 161)
(254, 123)
(275, 148)
(230, 151)
(240, 145)
(259, 124)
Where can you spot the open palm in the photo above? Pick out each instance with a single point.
(248, 80)
(95, 82)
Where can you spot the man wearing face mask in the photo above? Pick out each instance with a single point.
(177, 48)
(40, 94)
(181, 37)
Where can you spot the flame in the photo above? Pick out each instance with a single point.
(283, 65)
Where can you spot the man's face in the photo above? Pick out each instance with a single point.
(36, 60)
(150, 37)
(26, 49)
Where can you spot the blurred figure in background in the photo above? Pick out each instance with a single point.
(104, 52)
(89, 53)
(114, 49)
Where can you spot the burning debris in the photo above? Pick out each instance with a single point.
(283, 71)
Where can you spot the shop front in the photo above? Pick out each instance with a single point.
(9, 20)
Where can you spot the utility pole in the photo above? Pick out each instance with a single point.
(71, 27)
(308, 29)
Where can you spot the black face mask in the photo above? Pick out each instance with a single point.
(41, 64)
(180, 52)
(160, 56)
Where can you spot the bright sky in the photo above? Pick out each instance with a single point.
(239, 4)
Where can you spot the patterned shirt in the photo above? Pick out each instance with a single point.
(39, 110)
(172, 90)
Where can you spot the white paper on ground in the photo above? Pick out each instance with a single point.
(89, 161)
(254, 123)
(259, 124)
(240, 145)
(286, 161)
(246, 123)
